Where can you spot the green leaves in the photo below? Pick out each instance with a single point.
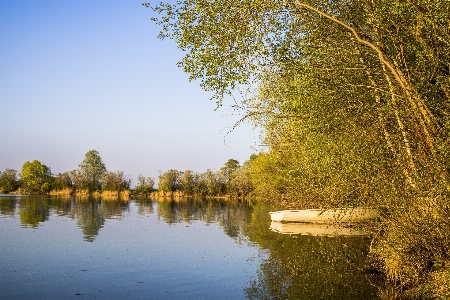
(92, 168)
(36, 177)
(9, 181)
(223, 41)
(145, 185)
(115, 181)
(169, 181)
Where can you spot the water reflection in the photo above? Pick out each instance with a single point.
(90, 218)
(306, 267)
(34, 210)
(145, 207)
(230, 215)
(7, 206)
(292, 266)
(89, 213)
(330, 230)
(309, 267)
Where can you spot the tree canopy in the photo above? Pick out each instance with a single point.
(92, 168)
(335, 68)
(36, 177)
(8, 180)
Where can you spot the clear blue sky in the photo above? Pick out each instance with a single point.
(91, 74)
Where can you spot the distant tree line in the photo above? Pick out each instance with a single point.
(91, 176)
(232, 179)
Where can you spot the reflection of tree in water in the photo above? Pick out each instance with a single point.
(185, 210)
(145, 206)
(273, 282)
(91, 214)
(89, 217)
(8, 205)
(114, 209)
(309, 267)
(234, 218)
(230, 215)
(296, 267)
(34, 210)
(62, 205)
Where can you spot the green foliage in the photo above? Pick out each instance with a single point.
(115, 181)
(169, 181)
(224, 43)
(240, 183)
(327, 156)
(215, 183)
(9, 181)
(357, 58)
(188, 182)
(62, 181)
(79, 179)
(92, 176)
(145, 185)
(91, 169)
(199, 185)
(230, 167)
(36, 178)
(232, 179)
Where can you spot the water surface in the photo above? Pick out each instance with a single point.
(58, 248)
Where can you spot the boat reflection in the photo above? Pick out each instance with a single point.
(331, 230)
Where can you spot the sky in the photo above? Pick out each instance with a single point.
(91, 74)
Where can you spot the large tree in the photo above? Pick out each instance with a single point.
(229, 168)
(36, 177)
(92, 168)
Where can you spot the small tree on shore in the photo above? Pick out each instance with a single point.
(187, 182)
(145, 185)
(62, 181)
(9, 181)
(169, 181)
(115, 181)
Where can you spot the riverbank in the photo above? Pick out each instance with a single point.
(179, 195)
(125, 194)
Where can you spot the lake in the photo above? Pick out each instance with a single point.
(83, 248)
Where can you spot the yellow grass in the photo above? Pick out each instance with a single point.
(63, 192)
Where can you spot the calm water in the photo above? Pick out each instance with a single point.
(79, 248)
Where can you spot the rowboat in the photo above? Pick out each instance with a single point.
(330, 230)
(337, 215)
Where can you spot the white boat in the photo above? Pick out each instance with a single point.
(337, 215)
(330, 230)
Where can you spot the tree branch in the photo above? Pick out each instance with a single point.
(420, 106)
